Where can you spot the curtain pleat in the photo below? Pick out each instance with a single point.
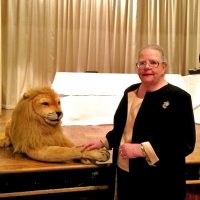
(42, 37)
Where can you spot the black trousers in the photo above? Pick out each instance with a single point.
(131, 188)
(123, 185)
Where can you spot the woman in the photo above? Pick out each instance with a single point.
(153, 132)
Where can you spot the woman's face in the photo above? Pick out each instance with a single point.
(151, 68)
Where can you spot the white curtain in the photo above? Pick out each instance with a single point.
(41, 37)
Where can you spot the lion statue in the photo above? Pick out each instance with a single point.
(35, 130)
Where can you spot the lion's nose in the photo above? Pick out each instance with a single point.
(59, 114)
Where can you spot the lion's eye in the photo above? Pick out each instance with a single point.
(58, 102)
(45, 103)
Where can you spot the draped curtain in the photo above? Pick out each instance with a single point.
(42, 37)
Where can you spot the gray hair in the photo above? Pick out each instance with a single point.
(153, 46)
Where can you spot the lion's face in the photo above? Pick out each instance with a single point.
(48, 107)
(36, 120)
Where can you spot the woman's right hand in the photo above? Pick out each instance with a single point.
(92, 145)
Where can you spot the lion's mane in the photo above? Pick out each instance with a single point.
(28, 130)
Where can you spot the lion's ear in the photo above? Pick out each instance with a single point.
(26, 95)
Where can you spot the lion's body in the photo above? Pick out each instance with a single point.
(35, 130)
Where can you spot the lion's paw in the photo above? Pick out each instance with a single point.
(87, 161)
(105, 155)
(5, 142)
(101, 155)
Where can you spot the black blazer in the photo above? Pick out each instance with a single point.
(166, 120)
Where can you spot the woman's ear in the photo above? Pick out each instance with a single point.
(165, 65)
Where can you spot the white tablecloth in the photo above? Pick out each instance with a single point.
(92, 98)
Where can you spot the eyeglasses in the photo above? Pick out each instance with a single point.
(151, 63)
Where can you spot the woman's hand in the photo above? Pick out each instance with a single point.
(92, 145)
(129, 150)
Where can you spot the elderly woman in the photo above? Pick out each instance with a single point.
(153, 132)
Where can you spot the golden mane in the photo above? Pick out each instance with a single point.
(28, 129)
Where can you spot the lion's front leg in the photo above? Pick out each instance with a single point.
(54, 153)
(62, 154)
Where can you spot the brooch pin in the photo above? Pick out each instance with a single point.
(165, 104)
